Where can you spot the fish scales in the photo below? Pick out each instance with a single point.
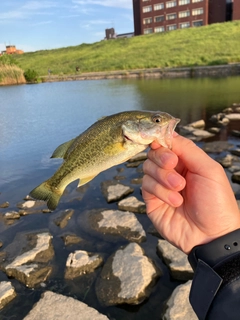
(108, 142)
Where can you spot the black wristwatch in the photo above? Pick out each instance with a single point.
(216, 251)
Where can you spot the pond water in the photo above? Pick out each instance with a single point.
(35, 119)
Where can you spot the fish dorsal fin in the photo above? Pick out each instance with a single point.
(61, 150)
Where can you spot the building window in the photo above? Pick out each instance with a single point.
(159, 19)
(159, 6)
(184, 14)
(159, 29)
(147, 20)
(148, 30)
(147, 9)
(171, 4)
(171, 16)
(198, 11)
(183, 2)
(184, 25)
(198, 23)
(194, 1)
(172, 27)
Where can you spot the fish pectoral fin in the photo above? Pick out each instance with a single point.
(114, 148)
(61, 150)
(85, 180)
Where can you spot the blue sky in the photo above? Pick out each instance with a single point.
(36, 25)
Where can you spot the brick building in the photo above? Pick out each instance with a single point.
(152, 16)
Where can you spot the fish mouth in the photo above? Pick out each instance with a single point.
(127, 138)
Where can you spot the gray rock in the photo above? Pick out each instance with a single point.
(228, 110)
(7, 293)
(54, 306)
(226, 161)
(236, 177)
(233, 116)
(64, 217)
(202, 133)
(200, 124)
(71, 239)
(217, 146)
(134, 164)
(235, 133)
(220, 118)
(233, 169)
(214, 130)
(30, 267)
(132, 204)
(12, 215)
(176, 260)
(137, 181)
(186, 130)
(178, 306)
(127, 277)
(139, 157)
(4, 205)
(27, 204)
(116, 222)
(236, 152)
(114, 191)
(81, 262)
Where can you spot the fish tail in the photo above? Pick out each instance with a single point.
(47, 193)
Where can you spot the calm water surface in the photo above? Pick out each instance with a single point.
(35, 119)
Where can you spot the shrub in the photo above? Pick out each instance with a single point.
(31, 75)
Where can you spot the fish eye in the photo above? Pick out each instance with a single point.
(157, 119)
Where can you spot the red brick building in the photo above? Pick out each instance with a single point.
(152, 16)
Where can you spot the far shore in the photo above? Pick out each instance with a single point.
(186, 72)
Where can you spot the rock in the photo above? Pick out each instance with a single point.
(217, 146)
(114, 191)
(134, 164)
(115, 222)
(233, 116)
(137, 181)
(176, 260)
(81, 262)
(53, 306)
(235, 152)
(12, 215)
(226, 162)
(220, 118)
(238, 202)
(142, 156)
(126, 277)
(27, 204)
(228, 110)
(236, 177)
(153, 231)
(30, 267)
(4, 205)
(7, 293)
(1, 244)
(200, 124)
(64, 217)
(178, 306)
(186, 130)
(233, 169)
(214, 130)
(202, 133)
(71, 239)
(235, 133)
(132, 204)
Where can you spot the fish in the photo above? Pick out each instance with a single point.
(110, 141)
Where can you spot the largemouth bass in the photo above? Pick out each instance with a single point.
(110, 141)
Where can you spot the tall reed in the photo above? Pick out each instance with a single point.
(11, 74)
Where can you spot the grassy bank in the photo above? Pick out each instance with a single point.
(11, 74)
(211, 45)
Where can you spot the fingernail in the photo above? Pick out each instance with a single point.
(174, 180)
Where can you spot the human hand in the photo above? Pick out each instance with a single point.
(187, 194)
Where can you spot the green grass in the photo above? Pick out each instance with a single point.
(210, 45)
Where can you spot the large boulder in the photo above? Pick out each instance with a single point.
(127, 277)
(54, 306)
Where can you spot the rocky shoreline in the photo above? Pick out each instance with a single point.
(127, 276)
(184, 72)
